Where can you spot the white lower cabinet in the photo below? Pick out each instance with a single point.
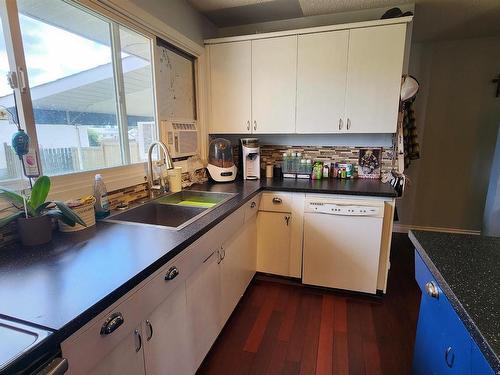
(237, 267)
(167, 348)
(279, 233)
(214, 290)
(274, 242)
(203, 307)
(127, 358)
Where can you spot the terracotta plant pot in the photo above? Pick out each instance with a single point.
(34, 231)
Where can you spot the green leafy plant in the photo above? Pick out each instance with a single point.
(36, 205)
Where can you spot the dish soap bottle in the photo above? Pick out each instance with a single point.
(101, 198)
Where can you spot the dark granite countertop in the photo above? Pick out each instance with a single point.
(63, 285)
(332, 186)
(467, 268)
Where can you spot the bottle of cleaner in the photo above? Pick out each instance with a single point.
(101, 198)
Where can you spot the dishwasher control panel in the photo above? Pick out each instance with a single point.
(344, 209)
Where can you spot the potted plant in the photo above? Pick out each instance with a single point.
(35, 213)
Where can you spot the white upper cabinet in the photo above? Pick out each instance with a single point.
(274, 70)
(230, 87)
(321, 82)
(374, 78)
(315, 81)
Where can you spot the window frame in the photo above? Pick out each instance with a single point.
(80, 183)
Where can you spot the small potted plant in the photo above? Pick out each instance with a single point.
(34, 213)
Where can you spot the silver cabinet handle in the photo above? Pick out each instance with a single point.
(253, 204)
(172, 273)
(219, 256)
(341, 124)
(138, 340)
(150, 327)
(287, 220)
(208, 257)
(112, 322)
(254, 125)
(57, 366)
(277, 200)
(431, 289)
(248, 125)
(348, 123)
(449, 357)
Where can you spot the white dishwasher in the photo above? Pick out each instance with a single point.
(342, 240)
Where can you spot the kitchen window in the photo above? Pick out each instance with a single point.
(89, 88)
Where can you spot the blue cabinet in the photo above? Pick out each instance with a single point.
(478, 362)
(443, 344)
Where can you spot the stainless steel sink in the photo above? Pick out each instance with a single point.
(17, 338)
(173, 211)
(194, 198)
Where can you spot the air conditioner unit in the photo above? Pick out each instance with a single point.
(181, 137)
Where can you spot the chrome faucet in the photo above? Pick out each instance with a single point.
(167, 161)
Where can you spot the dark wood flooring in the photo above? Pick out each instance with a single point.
(279, 328)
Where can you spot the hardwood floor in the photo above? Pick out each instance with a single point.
(279, 328)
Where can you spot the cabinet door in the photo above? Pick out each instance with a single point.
(127, 358)
(237, 267)
(248, 242)
(375, 65)
(442, 344)
(321, 82)
(203, 307)
(166, 343)
(274, 72)
(231, 277)
(273, 244)
(479, 365)
(230, 87)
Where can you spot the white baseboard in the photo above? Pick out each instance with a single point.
(404, 228)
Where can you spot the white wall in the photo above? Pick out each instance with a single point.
(457, 118)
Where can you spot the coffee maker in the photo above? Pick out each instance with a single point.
(250, 156)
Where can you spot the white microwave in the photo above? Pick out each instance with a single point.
(180, 136)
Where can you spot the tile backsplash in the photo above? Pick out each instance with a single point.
(272, 154)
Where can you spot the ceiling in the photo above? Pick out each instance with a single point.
(434, 19)
(239, 12)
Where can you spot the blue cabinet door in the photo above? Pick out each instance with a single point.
(427, 357)
(443, 345)
(478, 362)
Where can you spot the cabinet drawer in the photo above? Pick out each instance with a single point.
(165, 281)
(439, 301)
(252, 207)
(276, 202)
(86, 349)
(422, 274)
